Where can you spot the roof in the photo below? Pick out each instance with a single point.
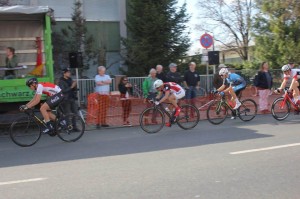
(20, 9)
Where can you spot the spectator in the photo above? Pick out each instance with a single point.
(264, 84)
(160, 73)
(149, 91)
(191, 82)
(69, 89)
(11, 61)
(125, 89)
(173, 75)
(217, 80)
(103, 82)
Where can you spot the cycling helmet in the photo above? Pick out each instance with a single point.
(158, 83)
(31, 81)
(285, 68)
(223, 71)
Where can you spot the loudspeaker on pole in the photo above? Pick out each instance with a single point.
(75, 60)
(213, 58)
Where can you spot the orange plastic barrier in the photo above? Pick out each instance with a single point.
(92, 108)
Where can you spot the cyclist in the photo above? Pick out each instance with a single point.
(294, 74)
(233, 84)
(171, 93)
(55, 97)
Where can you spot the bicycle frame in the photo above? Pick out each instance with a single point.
(288, 98)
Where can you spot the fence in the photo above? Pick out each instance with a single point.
(87, 86)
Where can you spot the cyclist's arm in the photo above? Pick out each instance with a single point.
(166, 96)
(293, 81)
(221, 88)
(36, 99)
(283, 83)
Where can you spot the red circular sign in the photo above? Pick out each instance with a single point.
(206, 40)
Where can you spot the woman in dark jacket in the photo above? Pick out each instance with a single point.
(125, 89)
(264, 85)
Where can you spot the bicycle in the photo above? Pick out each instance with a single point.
(218, 110)
(27, 130)
(281, 107)
(152, 119)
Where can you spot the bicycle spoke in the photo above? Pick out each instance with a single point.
(152, 120)
(188, 117)
(248, 109)
(280, 110)
(70, 128)
(216, 112)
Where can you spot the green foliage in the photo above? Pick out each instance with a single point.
(156, 35)
(277, 32)
(74, 38)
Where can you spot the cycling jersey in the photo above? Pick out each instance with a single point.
(47, 88)
(175, 89)
(234, 79)
(295, 74)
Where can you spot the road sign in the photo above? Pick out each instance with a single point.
(206, 40)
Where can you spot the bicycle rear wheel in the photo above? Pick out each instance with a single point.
(248, 109)
(280, 110)
(70, 127)
(25, 131)
(216, 112)
(152, 120)
(189, 117)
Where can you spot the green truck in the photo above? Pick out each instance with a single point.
(28, 30)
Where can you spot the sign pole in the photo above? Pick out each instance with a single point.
(77, 82)
(206, 40)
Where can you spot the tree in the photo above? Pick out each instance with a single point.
(5, 3)
(277, 32)
(230, 22)
(157, 34)
(74, 39)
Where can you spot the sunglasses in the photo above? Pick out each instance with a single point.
(125, 80)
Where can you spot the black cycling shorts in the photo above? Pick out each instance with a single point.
(55, 100)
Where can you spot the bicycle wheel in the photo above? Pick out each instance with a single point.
(25, 131)
(152, 120)
(216, 112)
(280, 110)
(189, 117)
(70, 127)
(248, 109)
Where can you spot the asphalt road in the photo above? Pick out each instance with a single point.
(258, 159)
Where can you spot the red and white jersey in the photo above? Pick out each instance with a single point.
(47, 88)
(172, 87)
(295, 74)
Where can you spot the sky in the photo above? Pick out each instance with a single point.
(195, 35)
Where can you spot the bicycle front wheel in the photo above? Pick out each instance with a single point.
(189, 117)
(280, 110)
(248, 109)
(70, 127)
(25, 131)
(152, 120)
(216, 112)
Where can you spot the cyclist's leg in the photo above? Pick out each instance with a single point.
(294, 86)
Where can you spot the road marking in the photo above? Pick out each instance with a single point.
(22, 181)
(265, 149)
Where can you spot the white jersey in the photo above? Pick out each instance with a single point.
(295, 74)
(47, 88)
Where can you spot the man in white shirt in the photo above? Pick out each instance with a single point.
(103, 82)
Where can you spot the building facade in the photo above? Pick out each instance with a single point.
(105, 20)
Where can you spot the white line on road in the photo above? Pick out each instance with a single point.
(265, 149)
(22, 181)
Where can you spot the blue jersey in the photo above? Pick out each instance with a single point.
(234, 79)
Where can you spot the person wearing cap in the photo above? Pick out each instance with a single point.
(69, 89)
(217, 80)
(191, 82)
(173, 75)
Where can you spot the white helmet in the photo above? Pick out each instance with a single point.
(285, 68)
(223, 71)
(158, 83)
